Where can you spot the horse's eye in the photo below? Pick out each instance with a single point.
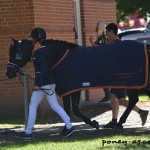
(18, 56)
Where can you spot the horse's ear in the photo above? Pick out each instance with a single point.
(13, 41)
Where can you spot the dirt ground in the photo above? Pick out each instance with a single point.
(96, 111)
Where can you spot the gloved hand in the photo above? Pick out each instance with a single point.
(36, 88)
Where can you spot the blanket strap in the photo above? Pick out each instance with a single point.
(62, 58)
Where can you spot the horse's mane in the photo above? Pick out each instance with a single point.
(58, 48)
(27, 44)
(59, 45)
(53, 45)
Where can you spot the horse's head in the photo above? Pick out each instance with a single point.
(20, 52)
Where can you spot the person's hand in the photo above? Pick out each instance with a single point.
(91, 40)
(36, 88)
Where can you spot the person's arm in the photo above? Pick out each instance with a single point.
(41, 68)
(76, 36)
(92, 41)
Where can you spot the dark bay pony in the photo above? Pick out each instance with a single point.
(122, 64)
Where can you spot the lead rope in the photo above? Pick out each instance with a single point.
(21, 72)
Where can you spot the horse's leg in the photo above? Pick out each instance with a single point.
(75, 107)
(66, 104)
(133, 99)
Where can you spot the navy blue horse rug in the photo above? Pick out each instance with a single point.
(122, 64)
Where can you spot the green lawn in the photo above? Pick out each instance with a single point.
(112, 142)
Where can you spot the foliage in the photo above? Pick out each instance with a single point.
(126, 7)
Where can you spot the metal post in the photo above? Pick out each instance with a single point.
(26, 98)
(77, 19)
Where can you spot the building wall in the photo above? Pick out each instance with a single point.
(56, 17)
(17, 18)
(93, 11)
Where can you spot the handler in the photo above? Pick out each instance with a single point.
(43, 81)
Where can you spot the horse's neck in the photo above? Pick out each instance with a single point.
(29, 46)
(57, 49)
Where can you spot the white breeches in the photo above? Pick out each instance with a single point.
(53, 102)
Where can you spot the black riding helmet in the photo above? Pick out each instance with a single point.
(38, 34)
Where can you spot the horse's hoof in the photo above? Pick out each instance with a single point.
(119, 128)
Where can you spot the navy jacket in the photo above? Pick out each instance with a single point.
(41, 60)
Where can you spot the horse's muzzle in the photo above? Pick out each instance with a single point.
(11, 72)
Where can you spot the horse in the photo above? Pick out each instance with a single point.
(124, 68)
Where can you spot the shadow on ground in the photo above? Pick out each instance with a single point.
(83, 132)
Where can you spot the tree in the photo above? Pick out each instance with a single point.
(126, 7)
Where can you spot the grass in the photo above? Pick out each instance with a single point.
(82, 140)
(108, 143)
(143, 97)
